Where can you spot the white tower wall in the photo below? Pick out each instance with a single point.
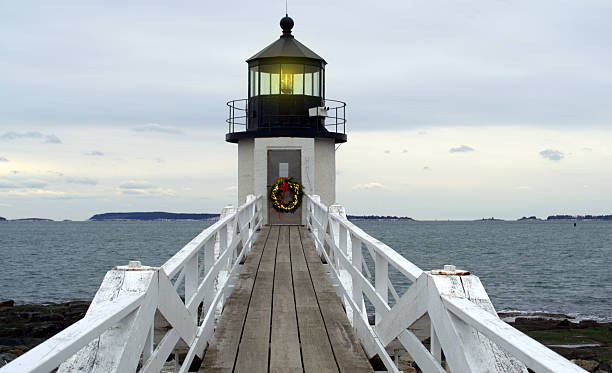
(318, 166)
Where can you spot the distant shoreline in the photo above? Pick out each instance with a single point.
(170, 216)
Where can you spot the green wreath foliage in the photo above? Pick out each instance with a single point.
(276, 194)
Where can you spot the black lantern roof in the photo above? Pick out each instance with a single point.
(286, 46)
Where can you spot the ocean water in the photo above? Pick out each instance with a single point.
(524, 266)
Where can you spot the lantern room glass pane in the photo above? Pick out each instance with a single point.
(308, 84)
(274, 84)
(269, 79)
(253, 82)
(264, 83)
(292, 79)
(312, 80)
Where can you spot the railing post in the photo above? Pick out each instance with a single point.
(191, 278)
(435, 348)
(356, 258)
(381, 280)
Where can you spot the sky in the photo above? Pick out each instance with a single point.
(456, 110)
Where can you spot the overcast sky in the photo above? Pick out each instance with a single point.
(457, 110)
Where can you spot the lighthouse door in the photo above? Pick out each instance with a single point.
(284, 163)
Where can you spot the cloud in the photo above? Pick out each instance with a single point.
(12, 135)
(461, 149)
(52, 139)
(81, 180)
(95, 153)
(3, 159)
(154, 127)
(552, 154)
(370, 186)
(27, 184)
(148, 192)
(136, 185)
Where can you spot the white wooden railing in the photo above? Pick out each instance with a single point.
(141, 315)
(449, 307)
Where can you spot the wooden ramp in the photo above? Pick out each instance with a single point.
(283, 314)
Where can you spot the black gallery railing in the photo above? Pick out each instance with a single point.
(334, 117)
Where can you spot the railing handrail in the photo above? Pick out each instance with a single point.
(130, 296)
(452, 309)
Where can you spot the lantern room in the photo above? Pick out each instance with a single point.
(286, 95)
(286, 129)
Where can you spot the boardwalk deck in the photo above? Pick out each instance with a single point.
(283, 314)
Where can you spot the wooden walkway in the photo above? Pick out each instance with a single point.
(283, 314)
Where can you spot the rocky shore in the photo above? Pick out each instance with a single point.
(586, 342)
(24, 326)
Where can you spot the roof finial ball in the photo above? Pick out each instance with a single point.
(286, 23)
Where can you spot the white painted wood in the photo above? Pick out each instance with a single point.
(161, 353)
(535, 355)
(120, 318)
(175, 312)
(454, 310)
(450, 339)
(434, 345)
(356, 259)
(115, 348)
(419, 353)
(49, 354)
(418, 313)
(381, 279)
(411, 306)
(192, 276)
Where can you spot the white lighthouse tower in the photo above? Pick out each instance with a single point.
(286, 128)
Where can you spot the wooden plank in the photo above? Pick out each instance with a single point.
(317, 353)
(221, 353)
(284, 342)
(345, 345)
(254, 344)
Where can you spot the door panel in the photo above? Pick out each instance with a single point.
(284, 163)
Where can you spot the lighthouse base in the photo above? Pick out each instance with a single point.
(310, 161)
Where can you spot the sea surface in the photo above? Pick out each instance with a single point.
(525, 266)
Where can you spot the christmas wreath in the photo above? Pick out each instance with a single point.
(286, 195)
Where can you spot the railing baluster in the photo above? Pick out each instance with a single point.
(435, 348)
(381, 280)
(356, 259)
(191, 277)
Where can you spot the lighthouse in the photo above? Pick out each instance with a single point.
(286, 130)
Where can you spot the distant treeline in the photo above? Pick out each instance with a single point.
(377, 217)
(152, 216)
(580, 217)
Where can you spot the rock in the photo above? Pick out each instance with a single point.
(564, 322)
(601, 371)
(7, 303)
(16, 352)
(588, 365)
(6, 358)
(605, 366)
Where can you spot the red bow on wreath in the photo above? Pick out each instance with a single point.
(284, 187)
